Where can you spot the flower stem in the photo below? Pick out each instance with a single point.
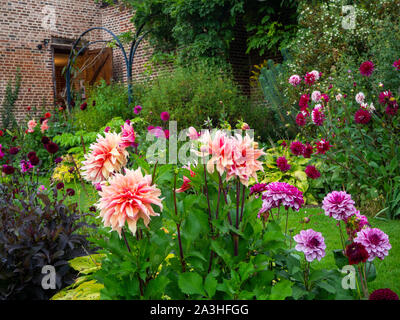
(178, 229)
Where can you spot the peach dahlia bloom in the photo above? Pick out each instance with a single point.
(105, 158)
(127, 198)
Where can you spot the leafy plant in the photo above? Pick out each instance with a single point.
(10, 97)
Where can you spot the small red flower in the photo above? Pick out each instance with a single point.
(1, 133)
(301, 120)
(396, 64)
(366, 68)
(312, 172)
(47, 115)
(362, 116)
(29, 108)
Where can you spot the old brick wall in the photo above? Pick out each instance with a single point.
(21, 31)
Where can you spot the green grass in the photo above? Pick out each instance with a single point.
(388, 270)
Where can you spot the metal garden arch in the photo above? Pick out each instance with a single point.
(128, 60)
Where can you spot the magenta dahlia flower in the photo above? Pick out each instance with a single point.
(384, 97)
(282, 164)
(281, 193)
(366, 68)
(164, 116)
(310, 78)
(312, 172)
(257, 189)
(301, 120)
(308, 150)
(396, 64)
(362, 116)
(304, 100)
(322, 146)
(338, 205)
(297, 148)
(375, 241)
(383, 294)
(312, 243)
(318, 117)
(137, 109)
(391, 111)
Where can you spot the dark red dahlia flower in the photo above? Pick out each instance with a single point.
(362, 116)
(31, 154)
(323, 146)
(51, 147)
(8, 169)
(297, 148)
(34, 160)
(391, 111)
(383, 294)
(83, 106)
(13, 150)
(282, 164)
(258, 188)
(356, 253)
(366, 68)
(308, 150)
(304, 100)
(396, 64)
(71, 192)
(60, 186)
(312, 172)
(384, 97)
(45, 140)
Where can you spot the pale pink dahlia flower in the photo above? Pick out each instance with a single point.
(338, 205)
(31, 125)
(312, 243)
(281, 193)
(316, 96)
(295, 80)
(128, 135)
(105, 158)
(375, 241)
(127, 198)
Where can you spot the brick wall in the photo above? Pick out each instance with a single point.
(21, 31)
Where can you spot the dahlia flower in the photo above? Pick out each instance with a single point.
(322, 146)
(383, 294)
(384, 97)
(51, 147)
(185, 185)
(295, 80)
(312, 243)
(128, 198)
(31, 125)
(316, 96)
(375, 241)
(304, 100)
(245, 154)
(325, 97)
(105, 158)
(257, 189)
(396, 64)
(128, 135)
(164, 116)
(391, 111)
(282, 164)
(301, 120)
(1, 152)
(8, 169)
(308, 150)
(339, 97)
(366, 68)
(317, 117)
(193, 134)
(316, 74)
(360, 98)
(338, 205)
(312, 172)
(25, 166)
(310, 78)
(281, 193)
(362, 116)
(356, 253)
(297, 148)
(137, 109)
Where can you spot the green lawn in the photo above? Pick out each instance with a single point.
(388, 270)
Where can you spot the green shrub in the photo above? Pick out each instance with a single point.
(192, 94)
(106, 102)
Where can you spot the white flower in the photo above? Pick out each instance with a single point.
(339, 97)
(316, 74)
(360, 97)
(316, 96)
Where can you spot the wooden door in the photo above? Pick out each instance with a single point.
(93, 66)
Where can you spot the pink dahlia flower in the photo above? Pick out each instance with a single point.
(281, 193)
(295, 80)
(106, 157)
(245, 154)
(312, 243)
(366, 68)
(360, 98)
(31, 125)
(384, 97)
(128, 198)
(310, 78)
(164, 116)
(304, 100)
(185, 185)
(338, 205)
(375, 241)
(128, 135)
(193, 134)
(391, 111)
(137, 109)
(396, 64)
(316, 96)
(257, 189)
